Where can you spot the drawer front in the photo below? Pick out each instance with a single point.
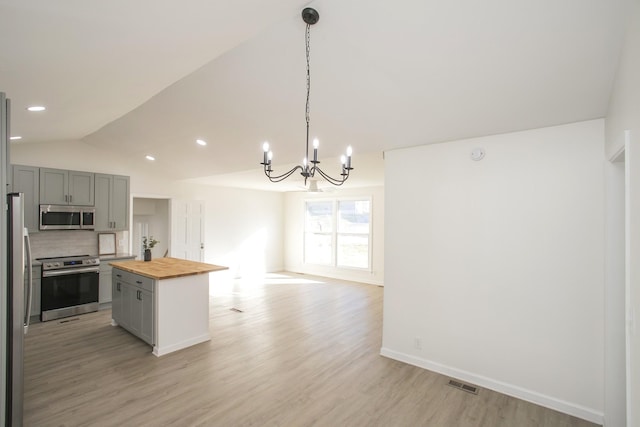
(143, 282)
(134, 279)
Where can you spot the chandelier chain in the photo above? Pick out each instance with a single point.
(307, 46)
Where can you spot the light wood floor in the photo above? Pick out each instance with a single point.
(304, 351)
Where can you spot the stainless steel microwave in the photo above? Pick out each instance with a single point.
(55, 217)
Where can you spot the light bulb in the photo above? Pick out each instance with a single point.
(316, 143)
(270, 155)
(304, 162)
(349, 151)
(265, 146)
(343, 159)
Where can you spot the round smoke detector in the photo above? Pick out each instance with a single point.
(477, 154)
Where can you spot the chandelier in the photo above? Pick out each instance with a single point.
(309, 168)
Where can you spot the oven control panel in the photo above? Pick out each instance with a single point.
(69, 262)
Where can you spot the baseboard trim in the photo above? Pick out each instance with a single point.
(511, 390)
(158, 351)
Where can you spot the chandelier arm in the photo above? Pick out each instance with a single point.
(333, 181)
(281, 177)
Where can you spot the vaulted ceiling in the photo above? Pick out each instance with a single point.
(146, 77)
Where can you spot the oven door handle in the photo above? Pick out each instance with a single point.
(53, 273)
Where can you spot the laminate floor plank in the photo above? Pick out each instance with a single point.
(302, 351)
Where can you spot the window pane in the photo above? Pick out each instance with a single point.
(353, 216)
(319, 217)
(353, 251)
(317, 248)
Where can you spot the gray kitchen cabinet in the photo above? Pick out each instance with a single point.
(145, 308)
(134, 311)
(106, 273)
(116, 300)
(26, 179)
(105, 284)
(127, 305)
(63, 187)
(35, 301)
(111, 202)
(141, 314)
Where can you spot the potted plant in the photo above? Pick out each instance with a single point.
(148, 244)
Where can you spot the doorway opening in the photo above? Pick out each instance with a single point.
(150, 219)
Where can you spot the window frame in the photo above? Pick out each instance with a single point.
(335, 201)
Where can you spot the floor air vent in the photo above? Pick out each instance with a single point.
(464, 387)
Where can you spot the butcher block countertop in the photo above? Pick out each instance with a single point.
(166, 268)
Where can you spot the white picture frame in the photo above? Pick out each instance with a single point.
(106, 243)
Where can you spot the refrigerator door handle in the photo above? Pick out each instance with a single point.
(27, 313)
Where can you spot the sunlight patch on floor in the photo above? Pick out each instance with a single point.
(254, 286)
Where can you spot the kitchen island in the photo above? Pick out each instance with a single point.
(164, 302)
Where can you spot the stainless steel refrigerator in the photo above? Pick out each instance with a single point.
(15, 297)
(19, 299)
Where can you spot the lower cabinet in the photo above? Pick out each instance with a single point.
(132, 304)
(105, 284)
(116, 301)
(106, 288)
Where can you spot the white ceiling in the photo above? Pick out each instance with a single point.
(146, 77)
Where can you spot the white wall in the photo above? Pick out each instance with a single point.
(624, 115)
(243, 228)
(496, 267)
(294, 232)
(615, 353)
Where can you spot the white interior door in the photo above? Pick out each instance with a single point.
(187, 229)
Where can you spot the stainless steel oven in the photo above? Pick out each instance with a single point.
(69, 286)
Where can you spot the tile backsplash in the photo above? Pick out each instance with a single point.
(72, 242)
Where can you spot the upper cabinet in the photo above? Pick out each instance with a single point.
(62, 187)
(111, 202)
(26, 179)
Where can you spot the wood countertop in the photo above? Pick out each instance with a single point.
(166, 268)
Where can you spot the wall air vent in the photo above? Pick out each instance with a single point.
(464, 387)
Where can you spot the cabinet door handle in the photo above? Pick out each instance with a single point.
(118, 286)
(71, 198)
(118, 275)
(139, 282)
(66, 198)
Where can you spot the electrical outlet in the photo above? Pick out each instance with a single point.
(417, 343)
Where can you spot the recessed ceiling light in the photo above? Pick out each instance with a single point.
(15, 138)
(150, 158)
(201, 141)
(36, 108)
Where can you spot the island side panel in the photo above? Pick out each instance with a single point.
(182, 313)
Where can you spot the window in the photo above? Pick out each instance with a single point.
(353, 233)
(337, 233)
(318, 247)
